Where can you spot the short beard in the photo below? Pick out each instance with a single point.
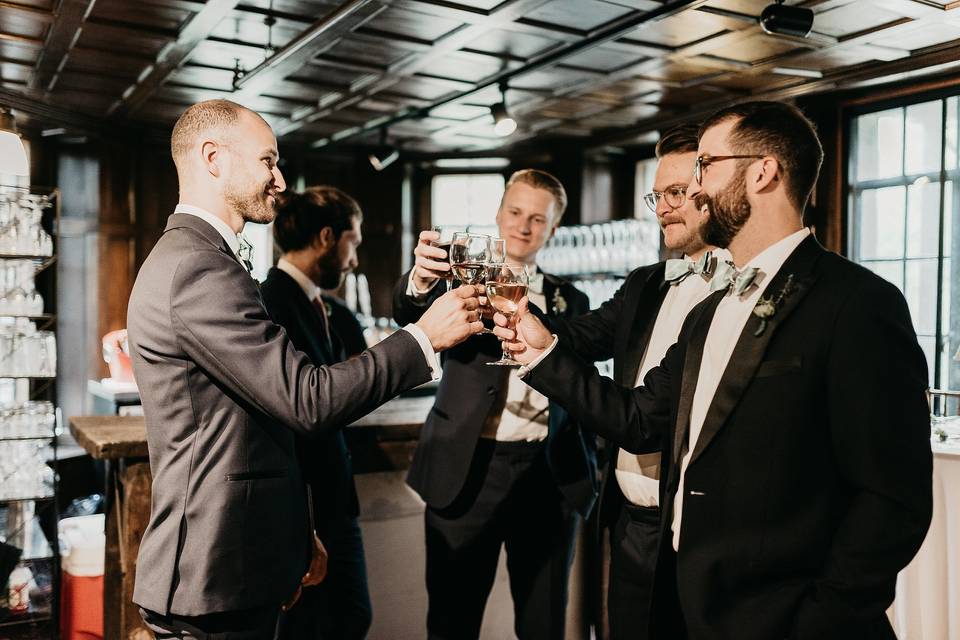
(250, 207)
(331, 275)
(727, 212)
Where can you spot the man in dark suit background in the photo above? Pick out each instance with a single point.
(793, 405)
(635, 328)
(224, 391)
(318, 232)
(497, 464)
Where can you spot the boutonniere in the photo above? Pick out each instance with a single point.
(767, 307)
(329, 308)
(559, 302)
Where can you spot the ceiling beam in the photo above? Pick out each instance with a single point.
(195, 31)
(63, 34)
(321, 35)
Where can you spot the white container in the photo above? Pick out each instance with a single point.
(82, 544)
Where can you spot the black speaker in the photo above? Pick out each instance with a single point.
(789, 21)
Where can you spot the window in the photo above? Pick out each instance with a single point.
(260, 237)
(904, 199)
(466, 200)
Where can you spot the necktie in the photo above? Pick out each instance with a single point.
(245, 252)
(737, 282)
(677, 269)
(321, 307)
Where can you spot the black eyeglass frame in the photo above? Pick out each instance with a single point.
(707, 160)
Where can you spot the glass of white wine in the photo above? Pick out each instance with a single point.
(506, 286)
(469, 257)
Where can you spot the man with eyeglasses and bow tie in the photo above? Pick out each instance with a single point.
(792, 410)
(635, 328)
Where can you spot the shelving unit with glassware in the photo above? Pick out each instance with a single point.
(29, 227)
(597, 257)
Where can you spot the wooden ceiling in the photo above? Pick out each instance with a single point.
(326, 71)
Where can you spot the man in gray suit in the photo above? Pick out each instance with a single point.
(224, 393)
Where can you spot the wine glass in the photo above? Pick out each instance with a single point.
(506, 286)
(469, 257)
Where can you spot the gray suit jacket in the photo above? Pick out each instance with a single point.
(223, 392)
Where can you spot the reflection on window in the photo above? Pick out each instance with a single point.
(466, 200)
(904, 196)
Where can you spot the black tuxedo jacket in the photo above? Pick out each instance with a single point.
(325, 462)
(810, 485)
(466, 393)
(620, 329)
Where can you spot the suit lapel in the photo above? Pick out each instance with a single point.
(750, 348)
(691, 372)
(648, 305)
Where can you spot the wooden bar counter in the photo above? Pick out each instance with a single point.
(384, 440)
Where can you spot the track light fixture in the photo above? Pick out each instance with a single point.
(385, 155)
(13, 157)
(504, 124)
(779, 19)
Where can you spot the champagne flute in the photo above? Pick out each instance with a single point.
(469, 256)
(506, 286)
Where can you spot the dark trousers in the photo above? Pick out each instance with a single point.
(510, 499)
(339, 607)
(633, 555)
(252, 624)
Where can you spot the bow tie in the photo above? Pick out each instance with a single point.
(736, 282)
(535, 282)
(245, 253)
(677, 269)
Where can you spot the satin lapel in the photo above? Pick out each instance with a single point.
(651, 297)
(750, 348)
(691, 372)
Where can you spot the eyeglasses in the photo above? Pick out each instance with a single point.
(705, 161)
(675, 196)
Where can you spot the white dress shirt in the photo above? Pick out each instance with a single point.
(731, 316)
(214, 221)
(310, 288)
(639, 475)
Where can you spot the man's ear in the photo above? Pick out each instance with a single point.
(767, 175)
(210, 153)
(325, 239)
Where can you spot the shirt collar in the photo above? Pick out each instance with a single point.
(310, 289)
(222, 227)
(772, 258)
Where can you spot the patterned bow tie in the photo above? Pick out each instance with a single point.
(245, 252)
(736, 282)
(677, 269)
(535, 282)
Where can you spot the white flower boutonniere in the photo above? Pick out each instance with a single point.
(767, 307)
(559, 302)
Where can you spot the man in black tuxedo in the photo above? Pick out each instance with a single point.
(318, 232)
(496, 463)
(793, 403)
(635, 328)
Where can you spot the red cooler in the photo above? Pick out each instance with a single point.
(81, 598)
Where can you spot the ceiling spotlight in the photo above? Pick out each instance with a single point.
(13, 157)
(385, 155)
(504, 124)
(779, 19)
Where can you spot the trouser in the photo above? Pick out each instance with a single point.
(509, 500)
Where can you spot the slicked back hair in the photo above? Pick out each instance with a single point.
(207, 116)
(782, 131)
(682, 138)
(302, 216)
(541, 180)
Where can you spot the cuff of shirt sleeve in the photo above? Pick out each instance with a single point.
(524, 370)
(418, 296)
(428, 353)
